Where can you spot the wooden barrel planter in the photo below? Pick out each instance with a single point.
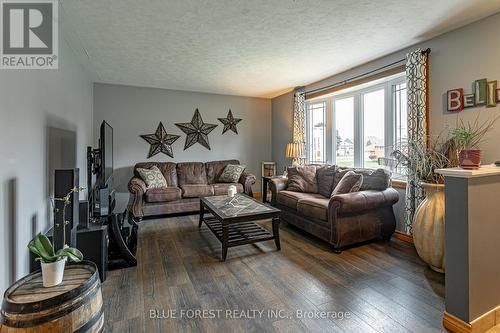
(73, 306)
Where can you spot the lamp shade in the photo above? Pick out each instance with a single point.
(294, 150)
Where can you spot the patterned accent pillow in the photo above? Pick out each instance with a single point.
(231, 173)
(351, 182)
(153, 177)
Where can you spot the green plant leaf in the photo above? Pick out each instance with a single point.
(33, 248)
(72, 254)
(37, 246)
(44, 245)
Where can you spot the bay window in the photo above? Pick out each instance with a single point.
(316, 134)
(360, 126)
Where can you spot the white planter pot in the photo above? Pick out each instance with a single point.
(428, 227)
(53, 272)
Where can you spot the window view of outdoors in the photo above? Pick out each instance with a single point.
(369, 143)
(316, 114)
(399, 100)
(344, 130)
(373, 141)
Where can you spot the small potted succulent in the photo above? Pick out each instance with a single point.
(52, 262)
(468, 137)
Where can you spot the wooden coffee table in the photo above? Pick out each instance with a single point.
(231, 220)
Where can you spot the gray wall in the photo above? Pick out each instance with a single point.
(457, 59)
(37, 107)
(133, 111)
(282, 116)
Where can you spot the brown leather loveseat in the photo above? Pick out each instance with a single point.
(187, 182)
(342, 219)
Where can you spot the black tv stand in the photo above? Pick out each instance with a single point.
(122, 231)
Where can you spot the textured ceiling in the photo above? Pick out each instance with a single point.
(249, 47)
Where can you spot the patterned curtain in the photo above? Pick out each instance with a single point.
(299, 116)
(417, 83)
(299, 119)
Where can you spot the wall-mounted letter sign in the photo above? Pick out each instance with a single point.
(455, 100)
(485, 93)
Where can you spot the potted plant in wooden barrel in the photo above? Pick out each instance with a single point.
(52, 262)
(468, 137)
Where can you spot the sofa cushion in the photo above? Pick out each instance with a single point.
(351, 182)
(291, 198)
(153, 177)
(168, 169)
(221, 188)
(324, 177)
(231, 173)
(191, 173)
(314, 207)
(196, 190)
(302, 179)
(373, 179)
(377, 180)
(214, 169)
(163, 194)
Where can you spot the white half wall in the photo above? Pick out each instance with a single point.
(133, 111)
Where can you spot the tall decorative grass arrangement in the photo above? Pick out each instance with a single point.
(470, 135)
(420, 162)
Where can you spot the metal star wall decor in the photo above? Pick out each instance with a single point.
(229, 123)
(160, 142)
(197, 131)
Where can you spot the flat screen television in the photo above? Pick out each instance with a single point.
(106, 150)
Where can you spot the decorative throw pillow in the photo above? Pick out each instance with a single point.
(302, 179)
(350, 182)
(377, 180)
(324, 177)
(231, 173)
(339, 174)
(153, 177)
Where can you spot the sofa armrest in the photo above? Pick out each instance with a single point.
(277, 184)
(363, 200)
(247, 180)
(137, 187)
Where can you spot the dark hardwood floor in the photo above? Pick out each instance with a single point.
(382, 286)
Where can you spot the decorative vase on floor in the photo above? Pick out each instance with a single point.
(53, 272)
(428, 227)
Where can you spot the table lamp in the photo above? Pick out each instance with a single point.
(295, 151)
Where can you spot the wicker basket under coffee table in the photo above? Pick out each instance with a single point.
(231, 220)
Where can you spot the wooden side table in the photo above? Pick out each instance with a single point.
(75, 305)
(265, 188)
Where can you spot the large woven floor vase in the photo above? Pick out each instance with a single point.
(428, 227)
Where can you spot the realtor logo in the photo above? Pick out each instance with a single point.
(29, 34)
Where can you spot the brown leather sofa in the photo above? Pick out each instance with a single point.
(341, 220)
(187, 182)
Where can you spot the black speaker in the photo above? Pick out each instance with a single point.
(101, 203)
(83, 221)
(65, 181)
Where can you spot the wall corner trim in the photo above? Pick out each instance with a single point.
(479, 325)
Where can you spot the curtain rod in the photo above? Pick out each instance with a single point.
(426, 51)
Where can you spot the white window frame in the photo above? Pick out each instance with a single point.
(330, 121)
(309, 135)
